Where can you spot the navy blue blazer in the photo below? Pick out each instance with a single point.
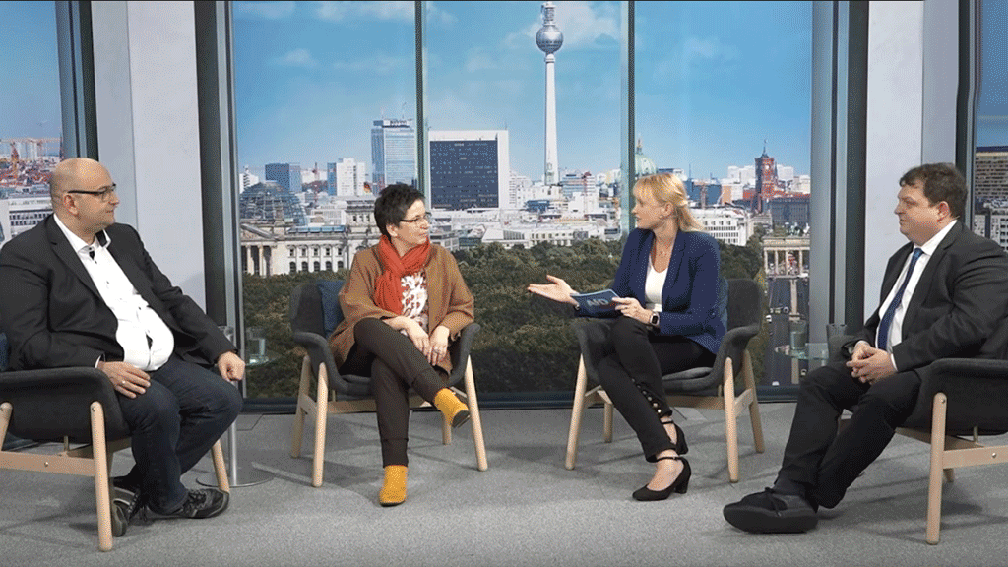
(694, 297)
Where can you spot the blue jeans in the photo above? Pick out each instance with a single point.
(175, 422)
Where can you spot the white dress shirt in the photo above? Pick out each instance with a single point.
(146, 341)
(896, 328)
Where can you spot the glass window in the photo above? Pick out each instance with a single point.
(990, 167)
(722, 100)
(30, 114)
(324, 103)
(523, 140)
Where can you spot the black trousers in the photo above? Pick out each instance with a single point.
(632, 377)
(824, 462)
(395, 365)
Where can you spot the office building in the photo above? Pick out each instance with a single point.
(346, 178)
(393, 153)
(288, 175)
(469, 169)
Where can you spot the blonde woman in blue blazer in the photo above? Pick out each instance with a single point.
(670, 317)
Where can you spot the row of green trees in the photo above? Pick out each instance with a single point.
(525, 343)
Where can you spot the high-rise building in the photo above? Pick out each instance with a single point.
(470, 169)
(288, 175)
(990, 174)
(393, 153)
(346, 178)
(248, 179)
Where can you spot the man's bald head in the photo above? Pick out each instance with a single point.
(72, 173)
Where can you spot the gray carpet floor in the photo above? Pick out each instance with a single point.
(527, 509)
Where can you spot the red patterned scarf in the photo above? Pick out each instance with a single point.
(388, 290)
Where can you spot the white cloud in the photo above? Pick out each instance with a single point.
(708, 49)
(381, 11)
(383, 65)
(264, 10)
(581, 24)
(296, 58)
(439, 17)
(479, 60)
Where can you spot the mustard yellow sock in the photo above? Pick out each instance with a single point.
(453, 409)
(393, 491)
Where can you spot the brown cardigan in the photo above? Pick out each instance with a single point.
(449, 301)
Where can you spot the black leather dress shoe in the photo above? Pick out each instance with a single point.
(772, 512)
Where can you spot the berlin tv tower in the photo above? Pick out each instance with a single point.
(548, 40)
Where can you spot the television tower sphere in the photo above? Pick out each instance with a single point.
(548, 38)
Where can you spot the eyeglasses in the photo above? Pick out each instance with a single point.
(425, 217)
(103, 193)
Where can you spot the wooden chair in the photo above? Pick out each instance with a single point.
(314, 314)
(701, 388)
(960, 400)
(75, 406)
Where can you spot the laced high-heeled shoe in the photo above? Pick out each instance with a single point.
(679, 485)
(680, 446)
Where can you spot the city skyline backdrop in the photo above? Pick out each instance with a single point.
(696, 105)
(285, 116)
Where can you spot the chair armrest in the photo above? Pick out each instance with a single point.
(459, 352)
(733, 344)
(319, 352)
(975, 387)
(51, 403)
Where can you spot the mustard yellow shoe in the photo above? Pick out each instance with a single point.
(393, 492)
(454, 410)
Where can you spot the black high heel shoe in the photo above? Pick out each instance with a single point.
(679, 485)
(680, 446)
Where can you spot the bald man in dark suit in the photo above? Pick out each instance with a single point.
(80, 289)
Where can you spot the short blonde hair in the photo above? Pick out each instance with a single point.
(667, 188)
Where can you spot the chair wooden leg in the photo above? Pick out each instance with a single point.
(219, 468)
(5, 413)
(754, 414)
(297, 431)
(731, 429)
(321, 413)
(477, 424)
(607, 414)
(935, 478)
(101, 478)
(446, 430)
(575, 425)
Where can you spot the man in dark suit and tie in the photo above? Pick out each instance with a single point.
(80, 289)
(942, 296)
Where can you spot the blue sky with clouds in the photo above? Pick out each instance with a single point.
(992, 102)
(30, 98)
(311, 76)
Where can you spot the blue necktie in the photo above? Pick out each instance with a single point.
(883, 328)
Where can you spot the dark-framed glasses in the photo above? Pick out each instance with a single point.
(103, 193)
(426, 217)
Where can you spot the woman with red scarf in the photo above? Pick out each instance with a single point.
(404, 301)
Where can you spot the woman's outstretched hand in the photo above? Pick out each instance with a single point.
(557, 290)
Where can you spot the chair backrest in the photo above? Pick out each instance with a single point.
(3, 353)
(315, 307)
(744, 303)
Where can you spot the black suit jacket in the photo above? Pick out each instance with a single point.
(54, 316)
(957, 305)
